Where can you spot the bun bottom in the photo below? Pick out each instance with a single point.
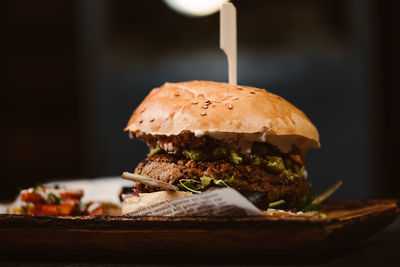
(134, 203)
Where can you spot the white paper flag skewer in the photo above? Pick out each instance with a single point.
(228, 38)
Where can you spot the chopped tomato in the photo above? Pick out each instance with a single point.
(32, 197)
(47, 201)
(63, 209)
(98, 211)
(76, 194)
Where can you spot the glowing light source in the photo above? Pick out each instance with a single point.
(195, 8)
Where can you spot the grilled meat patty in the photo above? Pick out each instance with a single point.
(247, 178)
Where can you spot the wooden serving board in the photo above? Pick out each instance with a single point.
(163, 239)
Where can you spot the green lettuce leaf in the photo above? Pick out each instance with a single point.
(197, 186)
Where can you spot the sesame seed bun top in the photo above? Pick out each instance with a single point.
(211, 108)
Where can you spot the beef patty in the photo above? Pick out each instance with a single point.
(248, 178)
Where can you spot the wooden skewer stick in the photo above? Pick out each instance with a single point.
(149, 181)
(327, 193)
(228, 40)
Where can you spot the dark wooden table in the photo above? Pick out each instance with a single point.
(382, 249)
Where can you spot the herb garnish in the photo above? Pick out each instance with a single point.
(190, 185)
(53, 199)
(323, 215)
(196, 186)
(312, 203)
(155, 150)
(37, 188)
(276, 203)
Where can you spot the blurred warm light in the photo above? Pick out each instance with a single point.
(195, 8)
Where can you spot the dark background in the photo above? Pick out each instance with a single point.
(73, 72)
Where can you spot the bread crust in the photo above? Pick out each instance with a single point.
(213, 107)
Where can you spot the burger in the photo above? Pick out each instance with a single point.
(204, 134)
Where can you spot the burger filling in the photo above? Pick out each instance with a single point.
(268, 177)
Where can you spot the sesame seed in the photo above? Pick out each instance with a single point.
(205, 107)
(240, 88)
(176, 94)
(230, 106)
(194, 102)
(152, 120)
(208, 101)
(237, 98)
(142, 110)
(140, 121)
(252, 92)
(203, 114)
